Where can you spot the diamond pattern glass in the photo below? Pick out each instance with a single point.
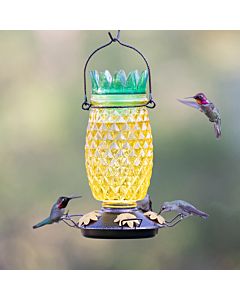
(119, 155)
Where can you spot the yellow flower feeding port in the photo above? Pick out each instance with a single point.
(119, 150)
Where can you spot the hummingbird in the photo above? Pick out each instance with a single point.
(145, 204)
(57, 211)
(184, 208)
(208, 108)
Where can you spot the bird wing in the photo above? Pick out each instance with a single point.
(53, 208)
(56, 213)
(190, 103)
(187, 207)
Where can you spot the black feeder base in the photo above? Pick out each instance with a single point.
(106, 228)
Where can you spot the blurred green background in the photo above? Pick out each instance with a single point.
(42, 129)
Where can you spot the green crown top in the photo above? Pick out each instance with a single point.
(104, 83)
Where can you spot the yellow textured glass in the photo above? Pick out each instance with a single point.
(119, 155)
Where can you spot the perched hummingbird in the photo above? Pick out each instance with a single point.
(184, 208)
(57, 211)
(208, 108)
(145, 204)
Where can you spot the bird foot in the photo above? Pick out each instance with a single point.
(66, 214)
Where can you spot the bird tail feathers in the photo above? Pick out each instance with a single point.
(43, 223)
(203, 215)
(217, 128)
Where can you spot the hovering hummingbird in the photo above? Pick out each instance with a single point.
(208, 108)
(57, 211)
(184, 208)
(145, 204)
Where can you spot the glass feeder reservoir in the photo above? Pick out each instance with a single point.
(119, 150)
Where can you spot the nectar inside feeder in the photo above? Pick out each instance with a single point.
(119, 151)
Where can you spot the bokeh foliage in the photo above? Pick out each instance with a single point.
(42, 129)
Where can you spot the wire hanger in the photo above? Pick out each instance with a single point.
(86, 105)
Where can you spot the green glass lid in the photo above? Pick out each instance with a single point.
(103, 83)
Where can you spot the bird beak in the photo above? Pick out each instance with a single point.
(74, 197)
(191, 97)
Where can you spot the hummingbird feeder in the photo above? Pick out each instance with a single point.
(119, 150)
(119, 158)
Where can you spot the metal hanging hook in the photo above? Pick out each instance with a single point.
(116, 38)
(86, 105)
